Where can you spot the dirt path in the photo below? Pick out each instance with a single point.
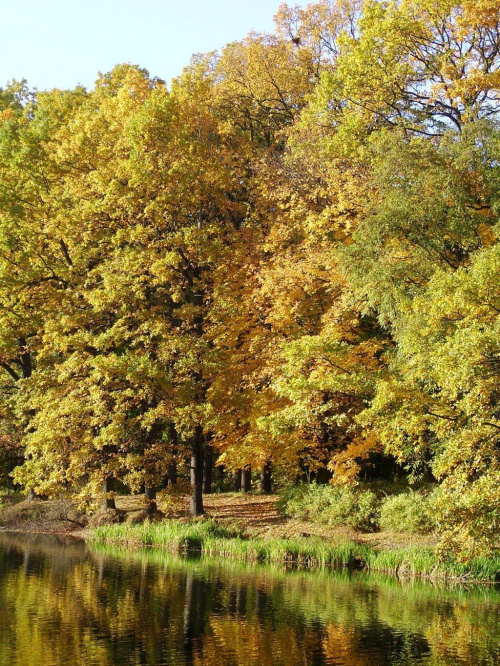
(252, 511)
(257, 514)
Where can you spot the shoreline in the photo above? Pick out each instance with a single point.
(401, 562)
(209, 538)
(248, 529)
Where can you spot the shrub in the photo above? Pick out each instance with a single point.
(290, 501)
(408, 512)
(354, 507)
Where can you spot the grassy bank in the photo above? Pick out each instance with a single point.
(211, 538)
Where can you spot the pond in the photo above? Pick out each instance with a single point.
(65, 602)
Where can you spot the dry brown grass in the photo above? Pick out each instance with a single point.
(48, 516)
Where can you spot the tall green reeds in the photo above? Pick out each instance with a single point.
(211, 538)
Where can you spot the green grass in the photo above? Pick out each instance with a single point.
(423, 562)
(208, 537)
(211, 538)
(171, 535)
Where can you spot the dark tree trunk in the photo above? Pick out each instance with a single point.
(237, 480)
(150, 493)
(246, 479)
(208, 465)
(196, 502)
(197, 446)
(171, 474)
(109, 487)
(171, 478)
(26, 360)
(265, 479)
(27, 370)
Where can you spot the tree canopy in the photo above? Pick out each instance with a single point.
(288, 255)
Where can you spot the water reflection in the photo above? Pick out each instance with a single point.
(63, 602)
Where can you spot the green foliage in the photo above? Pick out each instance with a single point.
(366, 507)
(353, 507)
(413, 512)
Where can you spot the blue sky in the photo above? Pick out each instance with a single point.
(60, 43)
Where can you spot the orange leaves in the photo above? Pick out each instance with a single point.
(479, 14)
(346, 464)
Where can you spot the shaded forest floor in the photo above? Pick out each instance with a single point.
(255, 514)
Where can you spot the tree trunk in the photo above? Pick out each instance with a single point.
(265, 479)
(171, 478)
(208, 462)
(197, 453)
(109, 497)
(246, 479)
(172, 474)
(26, 360)
(237, 480)
(150, 493)
(196, 502)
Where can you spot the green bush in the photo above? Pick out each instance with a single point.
(353, 507)
(408, 512)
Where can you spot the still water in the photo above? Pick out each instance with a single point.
(63, 602)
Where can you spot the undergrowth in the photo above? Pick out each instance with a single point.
(367, 508)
